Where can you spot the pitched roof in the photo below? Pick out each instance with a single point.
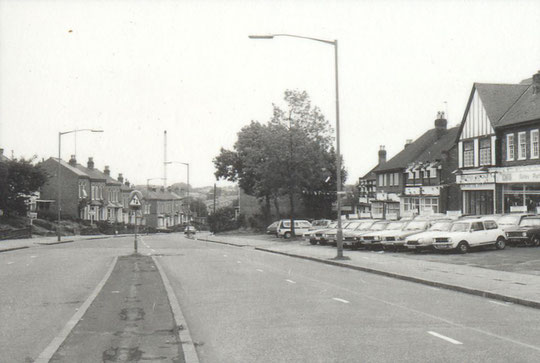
(70, 167)
(498, 98)
(158, 194)
(445, 143)
(92, 173)
(409, 153)
(526, 108)
(370, 175)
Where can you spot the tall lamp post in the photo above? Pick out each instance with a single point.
(189, 203)
(339, 235)
(59, 191)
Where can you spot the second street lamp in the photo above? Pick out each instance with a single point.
(59, 192)
(339, 192)
(189, 203)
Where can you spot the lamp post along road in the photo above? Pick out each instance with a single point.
(339, 235)
(59, 191)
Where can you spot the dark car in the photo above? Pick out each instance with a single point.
(272, 229)
(527, 233)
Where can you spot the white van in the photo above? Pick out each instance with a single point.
(301, 226)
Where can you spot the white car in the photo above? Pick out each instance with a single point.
(373, 240)
(424, 241)
(315, 236)
(465, 234)
(396, 239)
(301, 226)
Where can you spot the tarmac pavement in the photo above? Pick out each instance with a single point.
(507, 286)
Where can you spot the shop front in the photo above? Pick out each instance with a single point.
(478, 192)
(520, 189)
(420, 200)
(386, 206)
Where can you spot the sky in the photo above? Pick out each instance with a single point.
(138, 68)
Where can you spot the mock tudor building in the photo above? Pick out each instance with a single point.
(419, 179)
(367, 186)
(499, 148)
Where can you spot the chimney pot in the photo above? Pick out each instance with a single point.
(408, 142)
(440, 124)
(120, 178)
(382, 155)
(107, 171)
(1, 151)
(536, 83)
(90, 163)
(73, 160)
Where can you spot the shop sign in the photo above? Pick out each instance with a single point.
(518, 176)
(475, 178)
(453, 213)
(430, 190)
(518, 209)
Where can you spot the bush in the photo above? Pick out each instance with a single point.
(224, 220)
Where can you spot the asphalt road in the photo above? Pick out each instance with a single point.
(243, 305)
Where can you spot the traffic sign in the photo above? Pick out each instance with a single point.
(135, 199)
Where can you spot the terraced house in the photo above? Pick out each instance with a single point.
(499, 148)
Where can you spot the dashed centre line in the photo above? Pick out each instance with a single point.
(290, 281)
(260, 270)
(453, 341)
(10, 263)
(224, 255)
(238, 261)
(341, 300)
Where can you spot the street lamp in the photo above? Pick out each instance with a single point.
(189, 204)
(339, 192)
(59, 192)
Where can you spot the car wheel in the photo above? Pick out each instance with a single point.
(312, 242)
(463, 247)
(500, 244)
(287, 235)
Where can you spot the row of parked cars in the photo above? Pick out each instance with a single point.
(436, 232)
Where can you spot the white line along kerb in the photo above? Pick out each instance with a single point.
(453, 341)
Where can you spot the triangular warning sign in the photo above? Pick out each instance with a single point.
(135, 202)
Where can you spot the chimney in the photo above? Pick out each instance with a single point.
(1, 151)
(107, 171)
(407, 143)
(382, 155)
(72, 160)
(440, 124)
(90, 163)
(127, 183)
(120, 178)
(536, 83)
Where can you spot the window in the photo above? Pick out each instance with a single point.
(485, 152)
(535, 147)
(510, 147)
(477, 226)
(381, 180)
(396, 178)
(490, 225)
(468, 154)
(522, 145)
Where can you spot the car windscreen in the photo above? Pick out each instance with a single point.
(416, 226)
(508, 220)
(530, 222)
(366, 225)
(319, 223)
(441, 226)
(353, 225)
(379, 226)
(332, 225)
(459, 227)
(395, 225)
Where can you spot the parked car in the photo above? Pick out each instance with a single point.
(272, 229)
(301, 226)
(395, 240)
(370, 233)
(317, 235)
(190, 230)
(527, 233)
(331, 235)
(468, 233)
(424, 241)
(320, 223)
(350, 237)
(374, 240)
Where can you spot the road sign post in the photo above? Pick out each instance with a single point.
(135, 205)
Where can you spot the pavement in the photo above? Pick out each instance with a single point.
(17, 244)
(518, 288)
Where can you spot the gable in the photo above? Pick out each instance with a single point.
(477, 122)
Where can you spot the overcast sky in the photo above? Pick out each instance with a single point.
(137, 68)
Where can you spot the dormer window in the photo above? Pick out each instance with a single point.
(468, 154)
(485, 152)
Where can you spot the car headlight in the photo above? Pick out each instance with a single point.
(524, 234)
(377, 238)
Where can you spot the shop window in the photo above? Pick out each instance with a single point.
(468, 154)
(485, 151)
(535, 147)
(522, 145)
(510, 147)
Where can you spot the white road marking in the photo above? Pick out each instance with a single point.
(115, 292)
(453, 341)
(9, 263)
(500, 303)
(238, 261)
(224, 255)
(260, 270)
(340, 300)
(153, 250)
(365, 258)
(33, 256)
(290, 281)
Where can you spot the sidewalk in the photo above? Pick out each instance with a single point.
(501, 285)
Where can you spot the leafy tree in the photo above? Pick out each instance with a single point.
(18, 180)
(290, 155)
(197, 206)
(223, 220)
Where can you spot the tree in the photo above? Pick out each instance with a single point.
(196, 206)
(18, 180)
(291, 155)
